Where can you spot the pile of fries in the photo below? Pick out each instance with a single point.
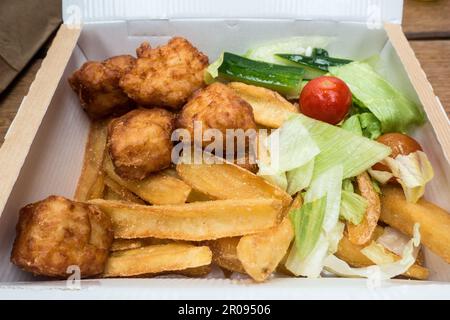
(190, 216)
(181, 219)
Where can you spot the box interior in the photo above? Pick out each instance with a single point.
(54, 162)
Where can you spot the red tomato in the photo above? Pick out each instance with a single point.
(326, 98)
(399, 144)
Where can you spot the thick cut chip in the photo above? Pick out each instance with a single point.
(223, 180)
(402, 215)
(159, 188)
(261, 253)
(270, 109)
(362, 233)
(90, 183)
(127, 244)
(198, 221)
(122, 192)
(156, 259)
(225, 254)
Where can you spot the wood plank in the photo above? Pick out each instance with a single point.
(426, 19)
(434, 58)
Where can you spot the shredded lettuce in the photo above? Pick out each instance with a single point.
(291, 146)
(300, 178)
(212, 72)
(302, 45)
(308, 225)
(386, 269)
(413, 172)
(394, 110)
(338, 146)
(393, 240)
(312, 265)
(353, 125)
(363, 124)
(370, 125)
(347, 185)
(353, 207)
(381, 176)
(327, 186)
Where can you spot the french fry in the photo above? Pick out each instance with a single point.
(261, 253)
(90, 184)
(224, 180)
(127, 244)
(402, 215)
(198, 221)
(156, 189)
(225, 254)
(194, 272)
(351, 253)
(121, 191)
(108, 194)
(362, 233)
(270, 109)
(156, 259)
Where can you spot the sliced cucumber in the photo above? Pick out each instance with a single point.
(285, 79)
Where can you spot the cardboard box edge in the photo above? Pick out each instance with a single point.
(33, 108)
(417, 76)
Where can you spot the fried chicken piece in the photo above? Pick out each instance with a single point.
(139, 142)
(165, 76)
(56, 233)
(97, 86)
(217, 107)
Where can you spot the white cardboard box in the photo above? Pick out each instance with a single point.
(43, 150)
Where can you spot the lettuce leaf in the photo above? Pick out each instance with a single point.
(302, 45)
(363, 124)
(300, 178)
(308, 225)
(340, 147)
(353, 207)
(212, 72)
(413, 172)
(394, 110)
(291, 146)
(393, 240)
(312, 265)
(327, 186)
(381, 176)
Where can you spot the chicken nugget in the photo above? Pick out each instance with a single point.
(167, 75)
(139, 142)
(217, 107)
(97, 86)
(56, 233)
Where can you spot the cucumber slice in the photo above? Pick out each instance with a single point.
(285, 79)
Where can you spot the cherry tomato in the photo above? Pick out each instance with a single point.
(326, 98)
(399, 144)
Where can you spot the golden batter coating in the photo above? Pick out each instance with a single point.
(216, 107)
(139, 142)
(97, 86)
(56, 233)
(167, 75)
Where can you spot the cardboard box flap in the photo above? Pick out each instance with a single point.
(372, 12)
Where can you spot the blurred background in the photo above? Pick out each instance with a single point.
(27, 28)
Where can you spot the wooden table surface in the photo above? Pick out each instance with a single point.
(425, 23)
